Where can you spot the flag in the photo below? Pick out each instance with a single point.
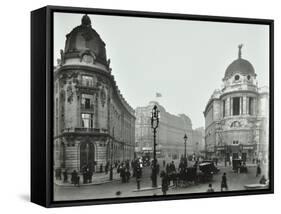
(158, 94)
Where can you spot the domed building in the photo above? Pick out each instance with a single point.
(236, 117)
(93, 123)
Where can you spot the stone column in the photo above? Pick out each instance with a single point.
(230, 106)
(96, 115)
(227, 107)
(255, 106)
(240, 106)
(244, 105)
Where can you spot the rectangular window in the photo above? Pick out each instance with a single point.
(87, 81)
(223, 108)
(236, 105)
(250, 106)
(87, 120)
(86, 101)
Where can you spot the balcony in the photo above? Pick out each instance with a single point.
(86, 84)
(85, 130)
(87, 107)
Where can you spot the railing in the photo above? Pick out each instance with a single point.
(84, 83)
(84, 129)
(87, 107)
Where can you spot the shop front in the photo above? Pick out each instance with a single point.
(245, 152)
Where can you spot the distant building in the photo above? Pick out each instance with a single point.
(93, 124)
(236, 117)
(170, 133)
(198, 138)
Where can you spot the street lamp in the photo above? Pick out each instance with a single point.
(154, 126)
(185, 139)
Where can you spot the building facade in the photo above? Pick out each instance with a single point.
(236, 117)
(93, 123)
(170, 133)
(198, 138)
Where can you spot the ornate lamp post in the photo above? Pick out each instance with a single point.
(154, 126)
(185, 139)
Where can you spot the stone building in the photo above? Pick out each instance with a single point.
(236, 117)
(93, 123)
(170, 132)
(198, 141)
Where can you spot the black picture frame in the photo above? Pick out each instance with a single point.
(42, 104)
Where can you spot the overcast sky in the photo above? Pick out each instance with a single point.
(185, 61)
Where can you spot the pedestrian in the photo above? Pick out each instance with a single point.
(77, 180)
(224, 183)
(172, 167)
(128, 175)
(58, 173)
(84, 174)
(122, 174)
(138, 177)
(90, 175)
(210, 188)
(168, 169)
(74, 175)
(106, 167)
(165, 182)
(263, 180)
(65, 177)
(127, 164)
(164, 163)
(258, 170)
(101, 168)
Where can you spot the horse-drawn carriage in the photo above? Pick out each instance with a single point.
(199, 173)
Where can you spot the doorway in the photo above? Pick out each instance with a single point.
(87, 155)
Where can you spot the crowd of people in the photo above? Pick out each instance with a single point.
(169, 175)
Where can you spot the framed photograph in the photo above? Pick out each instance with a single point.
(134, 106)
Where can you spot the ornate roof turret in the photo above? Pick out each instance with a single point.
(239, 65)
(84, 39)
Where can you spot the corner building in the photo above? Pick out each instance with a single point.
(93, 123)
(236, 117)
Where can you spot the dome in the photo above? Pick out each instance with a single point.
(84, 38)
(241, 66)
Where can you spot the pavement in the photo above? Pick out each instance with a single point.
(108, 189)
(97, 179)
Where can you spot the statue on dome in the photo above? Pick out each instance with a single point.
(240, 52)
(61, 57)
(86, 21)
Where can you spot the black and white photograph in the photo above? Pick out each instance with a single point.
(149, 107)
